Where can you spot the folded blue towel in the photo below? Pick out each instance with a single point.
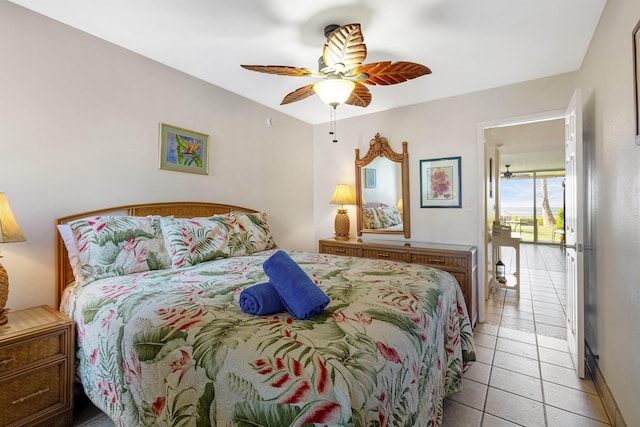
(261, 299)
(300, 295)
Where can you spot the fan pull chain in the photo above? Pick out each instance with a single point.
(332, 132)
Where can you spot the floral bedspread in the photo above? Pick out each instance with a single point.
(173, 348)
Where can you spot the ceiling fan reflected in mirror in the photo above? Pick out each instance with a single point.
(342, 71)
(508, 174)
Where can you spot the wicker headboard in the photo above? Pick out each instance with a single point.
(64, 273)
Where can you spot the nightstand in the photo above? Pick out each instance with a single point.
(36, 368)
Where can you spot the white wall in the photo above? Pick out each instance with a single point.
(613, 297)
(79, 123)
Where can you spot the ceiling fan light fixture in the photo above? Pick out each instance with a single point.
(334, 91)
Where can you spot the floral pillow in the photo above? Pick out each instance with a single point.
(116, 245)
(72, 250)
(190, 241)
(252, 234)
(389, 216)
(370, 218)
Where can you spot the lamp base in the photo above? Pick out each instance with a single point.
(342, 225)
(4, 292)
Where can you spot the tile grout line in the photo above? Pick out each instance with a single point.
(535, 333)
(493, 357)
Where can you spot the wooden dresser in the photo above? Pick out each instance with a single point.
(36, 368)
(459, 260)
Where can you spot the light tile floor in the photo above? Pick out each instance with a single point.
(524, 375)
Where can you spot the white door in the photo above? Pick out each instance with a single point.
(574, 224)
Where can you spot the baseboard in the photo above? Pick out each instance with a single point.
(610, 404)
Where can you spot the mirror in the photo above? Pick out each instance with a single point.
(382, 189)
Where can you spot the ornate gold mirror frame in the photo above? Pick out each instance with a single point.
(379, 147)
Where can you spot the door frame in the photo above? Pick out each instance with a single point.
(483, 287)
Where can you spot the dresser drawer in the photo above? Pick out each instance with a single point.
(33, 394)
(29, 351)
(340, 250)
(436, 260)
(390, 255)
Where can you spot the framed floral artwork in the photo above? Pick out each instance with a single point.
(183, 150)
(441, 183)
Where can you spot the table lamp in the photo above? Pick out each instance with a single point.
(9, 232)
(342, 196)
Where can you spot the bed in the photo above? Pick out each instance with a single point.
(170, 346)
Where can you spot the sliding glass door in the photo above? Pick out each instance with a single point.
(533, 205)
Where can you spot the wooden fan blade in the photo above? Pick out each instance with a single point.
(282, 70)
(387, 73)
(298, 94)
(360, 97)
(345, 48)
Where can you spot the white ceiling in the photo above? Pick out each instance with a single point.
(470, 45)
(527, 147)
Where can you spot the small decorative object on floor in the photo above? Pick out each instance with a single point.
(9, 232)
(500, 272)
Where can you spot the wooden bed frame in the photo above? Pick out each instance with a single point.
(64, 273)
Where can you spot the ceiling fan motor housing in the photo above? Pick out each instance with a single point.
(329, 29)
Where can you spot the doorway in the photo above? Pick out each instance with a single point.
(573, 208)
(534, 140)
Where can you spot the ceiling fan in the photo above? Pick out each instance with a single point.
(342, 72)
(508, 174)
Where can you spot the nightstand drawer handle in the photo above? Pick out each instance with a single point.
(7, 361)
(37, 393)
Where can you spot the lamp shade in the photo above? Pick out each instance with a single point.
(9, 232)
(343, 195)
(9, 229)
(334, 91)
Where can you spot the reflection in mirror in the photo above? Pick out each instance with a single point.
(382, 188)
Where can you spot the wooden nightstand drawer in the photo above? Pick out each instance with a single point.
(26, 352)
(33, 394)
(340, 250)
(36, 368)
(436, 260)
(384, 254)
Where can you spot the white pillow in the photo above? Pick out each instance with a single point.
(72, 250)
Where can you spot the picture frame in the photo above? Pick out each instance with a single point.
(369, 178)
(183, 150)
(636, 79)
(441, 183)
